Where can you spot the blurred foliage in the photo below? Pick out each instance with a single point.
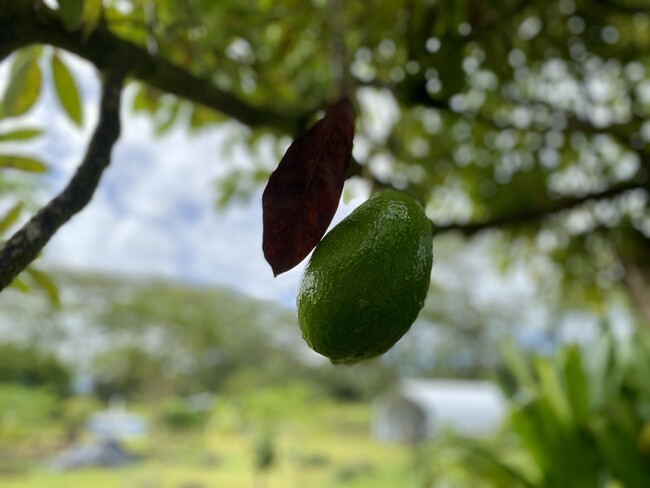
(74, 412)
(319, 444)
(27, 366)
(66, 89)
(504, 113)
(496, 111)
(151, 339)
(20, 95)
(578, 418)
(178, 415)
(264, 453)
(128, 371)
(24, 413)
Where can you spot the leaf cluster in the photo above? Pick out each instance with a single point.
(577, 418)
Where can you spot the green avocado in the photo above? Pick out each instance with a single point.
(366, 281)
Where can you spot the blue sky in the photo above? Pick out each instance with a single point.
(154, 212)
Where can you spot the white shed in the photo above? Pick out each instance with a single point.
(418, 409)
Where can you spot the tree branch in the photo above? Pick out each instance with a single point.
(21, 25)
(26, 243)
(615, 8)
(530, 216)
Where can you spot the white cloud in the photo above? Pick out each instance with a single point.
(154, 212)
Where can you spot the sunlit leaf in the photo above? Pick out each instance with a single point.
(552, 389)
(10, 218)
(576, 383)
(506, 472)
(22, 163)
(227, 190)
(44, 282)
(92, 13)
(140, 102)
(599, 366)
(202, 116)
(24, 85)
(171, 117)
(71, 13)
(517, 366)
(20, 134)
(20, 285)
(66, 89)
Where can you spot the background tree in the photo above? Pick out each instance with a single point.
(526, 117)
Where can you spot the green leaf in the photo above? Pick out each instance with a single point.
(600, 370)
(71, 13)
(66, 89)
(618, 447)
(19, 285)
(552, 389)
(639, 363)
(8, 219)
(44, 282)
(24, 84)
(576, 383)
(92, 13)
(22, 163)
(146, 100)
(172, 114)
(506, 472)
(517, 366)
(534, 424)
(20, 134)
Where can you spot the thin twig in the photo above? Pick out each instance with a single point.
(25, 245)
(339, 56)
(530, 217)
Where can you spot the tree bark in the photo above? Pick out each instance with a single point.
(25, 245)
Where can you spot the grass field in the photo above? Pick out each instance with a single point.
(320, 445)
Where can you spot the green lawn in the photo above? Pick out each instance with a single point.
(320, 445)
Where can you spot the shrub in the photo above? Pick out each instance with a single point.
(579, 418)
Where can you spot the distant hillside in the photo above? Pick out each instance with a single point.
(109, 323)
(100, 312)
(153, 337)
